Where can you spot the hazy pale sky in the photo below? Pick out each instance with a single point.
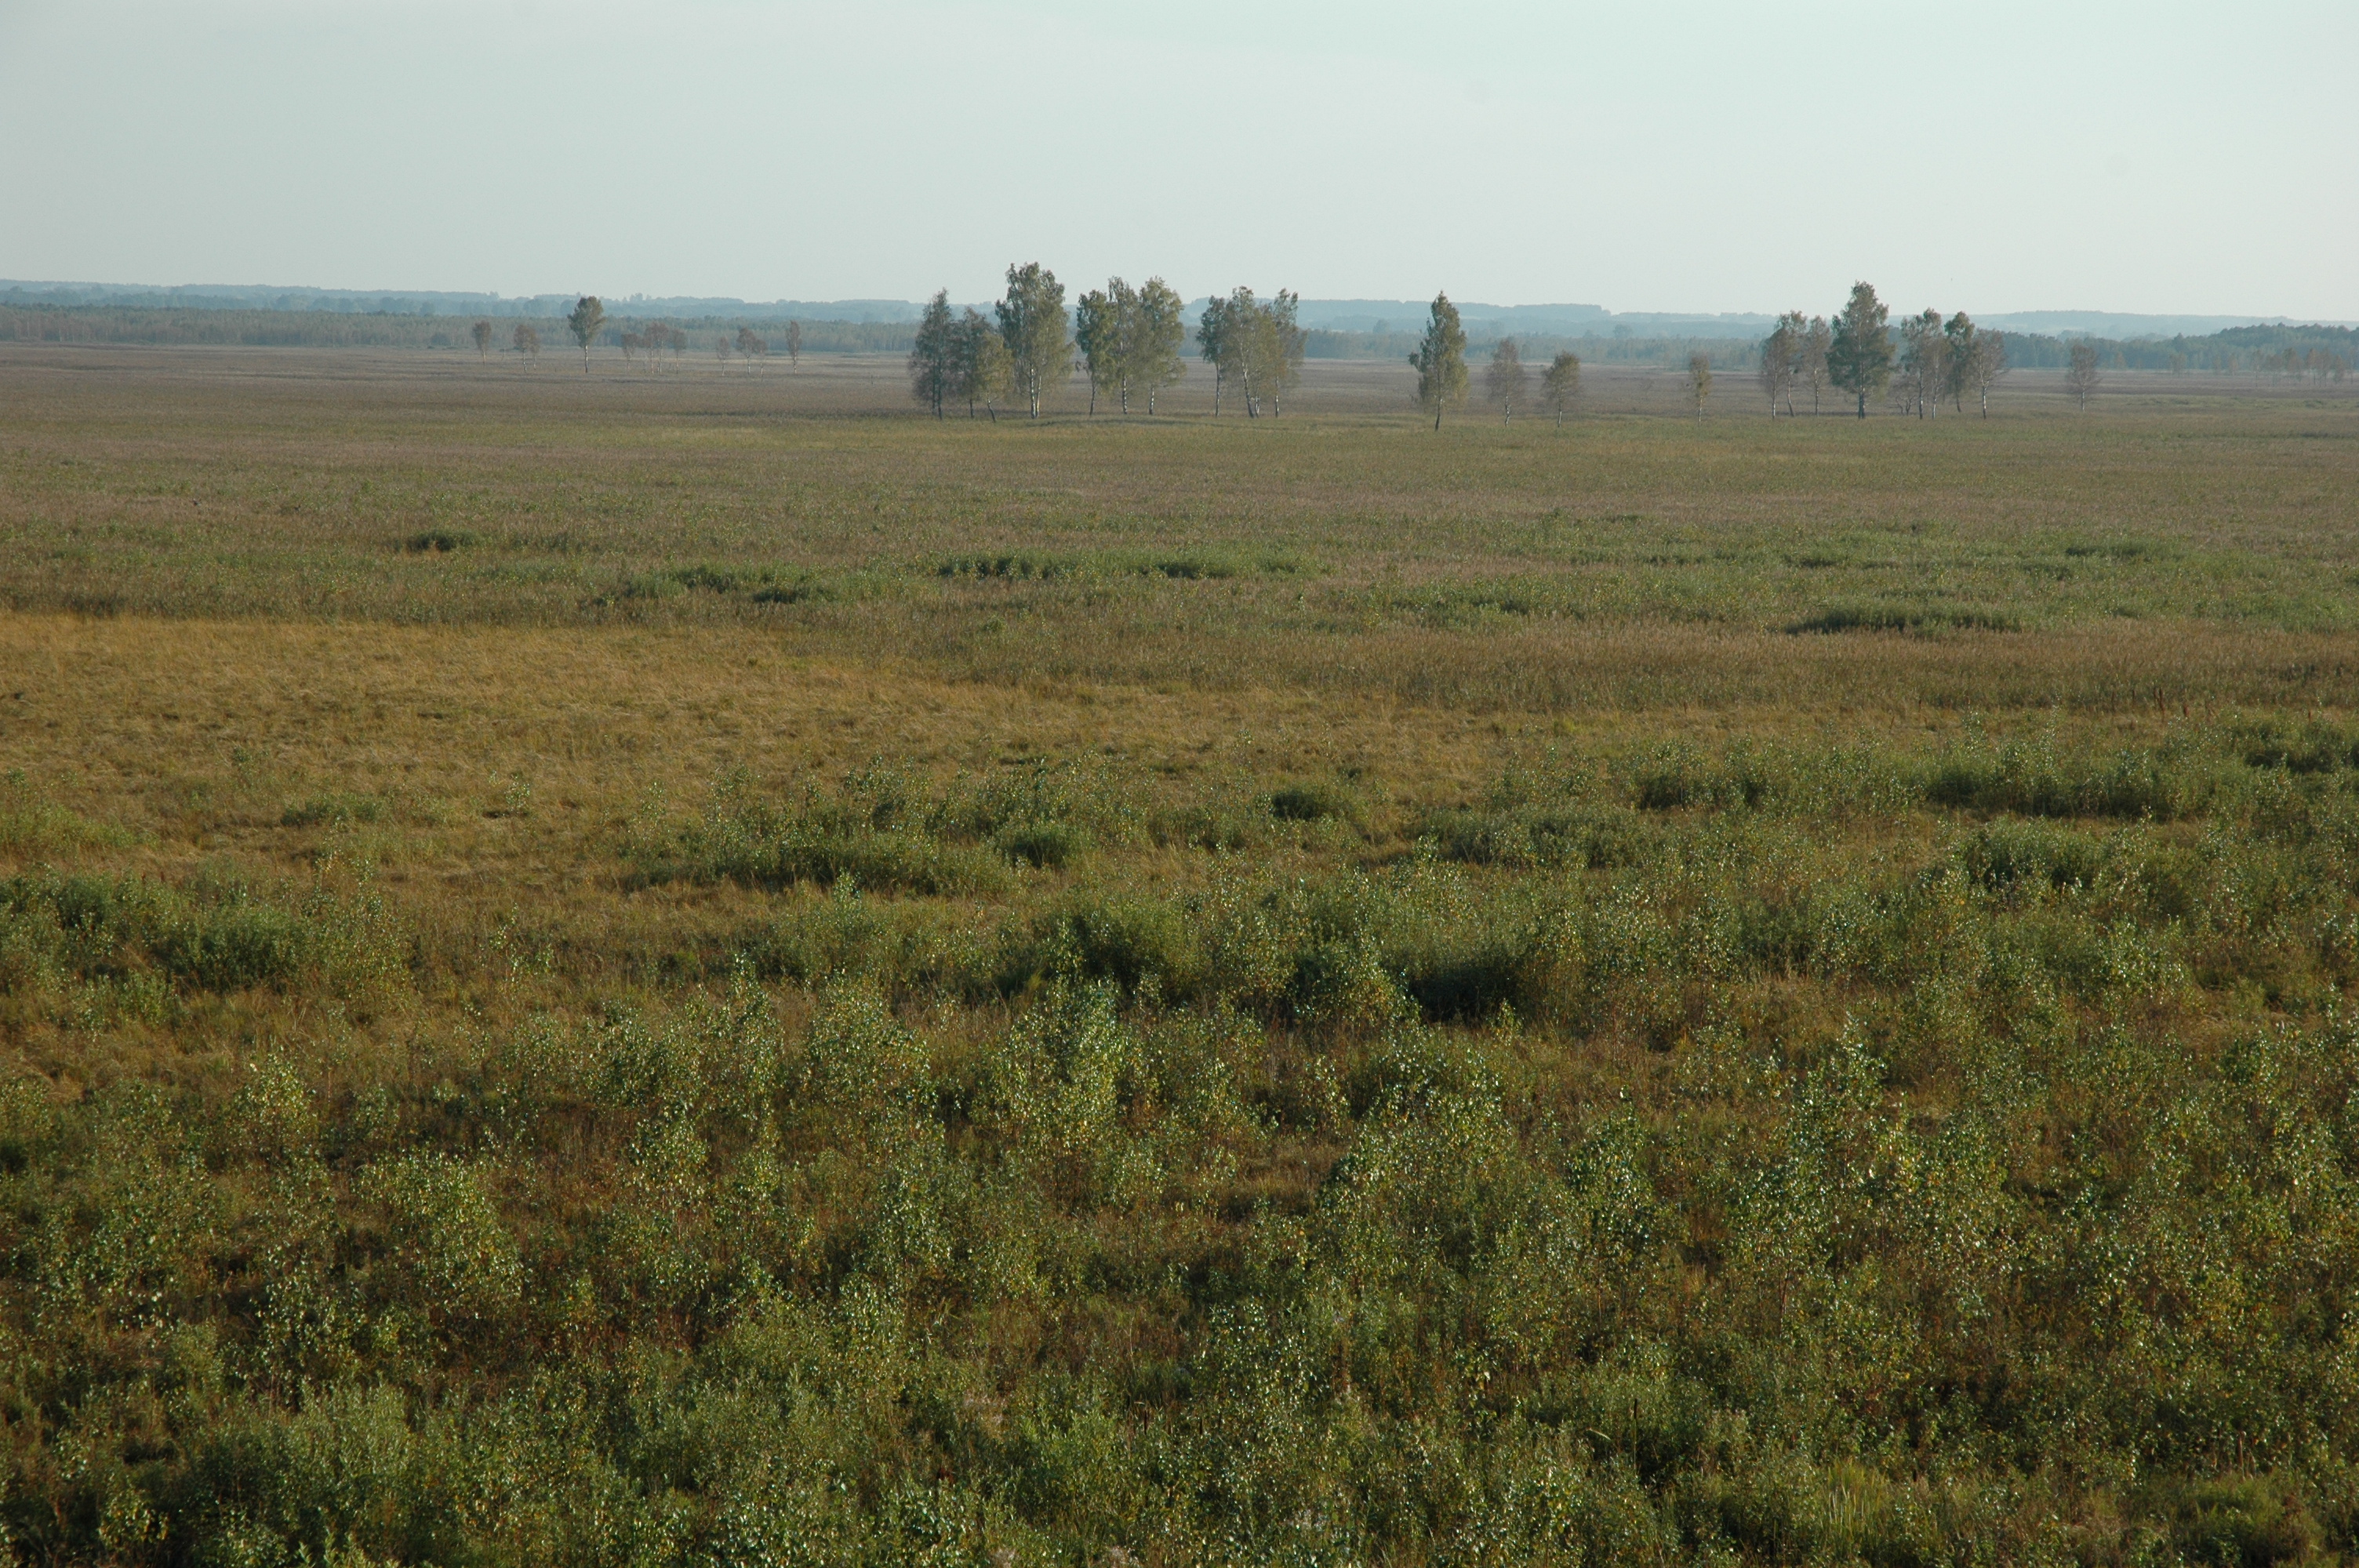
(1702, 155)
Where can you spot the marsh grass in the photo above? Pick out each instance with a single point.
(1175, 995)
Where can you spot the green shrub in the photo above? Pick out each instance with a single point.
(31, 824)
(1889, 616)
(2238, 1521)
(2005, 854)
(1051, 845)
(455, 1257)
(1316, 802)
(211, 935)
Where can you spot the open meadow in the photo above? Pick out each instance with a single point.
(691, 965)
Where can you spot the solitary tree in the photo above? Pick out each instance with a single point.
(527, 341)
(933, 357)
(1504, 382)
(794, 342)
(632, 343)
(2081, 376)
(1441, 360)
(1859, 360)
(720, 347)
(483, 339)
(1155, 362)
(1699, 381)
(588, 315)
(1781, 353)
(1560, 383)
(1039, 334)
(982, 373)
(1810, 365)
(750, 348)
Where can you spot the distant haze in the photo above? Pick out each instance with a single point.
(2175, 161)
(1483, 318)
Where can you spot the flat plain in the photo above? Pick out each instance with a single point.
(683, 965)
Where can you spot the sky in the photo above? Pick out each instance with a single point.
(1677, 155)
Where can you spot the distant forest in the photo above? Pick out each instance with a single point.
(2246, 351)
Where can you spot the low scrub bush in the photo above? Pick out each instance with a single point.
(212, 934)
(1317, 802)
(1914, 618)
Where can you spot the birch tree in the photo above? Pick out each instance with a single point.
(1859, 359)
(1978, 359)
(1811, 367)
(1781, 353)
(2081, 376)
(1441, 360)
(1155, 362)
(1269, 347)
(588, 315)
(1212, 343)
(933, 356)
(1560, 383)
(1505, 381)
(1924, 363)
(983, 371)
(1097, 333)
(1037, 332)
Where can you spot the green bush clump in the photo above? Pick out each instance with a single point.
(2005, 854)
(2315, 747)
(880, 830)
(31, 824)
(904, 948)
(1028, 566)
(1317, 802)
(2034, 778)
(1889, 616)
(212, 934)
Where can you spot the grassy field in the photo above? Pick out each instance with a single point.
(695, 967)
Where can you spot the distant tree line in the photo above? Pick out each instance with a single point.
(1131, 344)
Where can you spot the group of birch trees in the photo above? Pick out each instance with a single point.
(1932, 361)
(1129, 342)
(1443, 381)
